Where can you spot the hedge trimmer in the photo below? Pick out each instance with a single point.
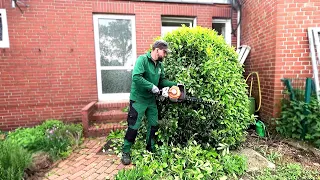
(178, 94)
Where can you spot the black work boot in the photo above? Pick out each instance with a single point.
(125, 159)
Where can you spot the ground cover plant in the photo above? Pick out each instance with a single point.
(52, 136)
(181, 162)
(22, 148)
(295, 114)
(13, 160)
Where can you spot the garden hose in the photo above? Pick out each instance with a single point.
(258, 87)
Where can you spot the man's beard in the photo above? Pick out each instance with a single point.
(160, 59)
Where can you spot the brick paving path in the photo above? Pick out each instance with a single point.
(85, 163)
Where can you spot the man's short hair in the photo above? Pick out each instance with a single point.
(161, 44)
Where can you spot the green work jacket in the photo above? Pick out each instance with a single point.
(146, 74)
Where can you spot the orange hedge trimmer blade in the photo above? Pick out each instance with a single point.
(174, 92)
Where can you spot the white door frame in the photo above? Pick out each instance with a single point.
(113, 96)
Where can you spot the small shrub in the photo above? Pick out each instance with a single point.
(49, 124)
(59, 141)
(52, 136)
(293, 113)
(13, 160)
(31, 139)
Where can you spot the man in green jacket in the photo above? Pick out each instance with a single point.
(147, 77)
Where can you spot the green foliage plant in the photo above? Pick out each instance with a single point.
(52, 136)
(13, 161)
(189, 162)
(293, 113)
(114, 141)
(209, 69)
(290, 171)
(60, 141)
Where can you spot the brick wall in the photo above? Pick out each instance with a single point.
(277, 32)
(293, 58)
(49, 70)
(259, 32)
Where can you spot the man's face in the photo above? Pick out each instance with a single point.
(161, 54)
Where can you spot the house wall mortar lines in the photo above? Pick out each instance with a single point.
(49, 71)
(276, 30)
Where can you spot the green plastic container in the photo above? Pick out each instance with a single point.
(260, 128)
(252, 105)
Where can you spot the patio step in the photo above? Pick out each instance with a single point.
(111, 105)
(111, 116)
(100, 118)
(103, 129)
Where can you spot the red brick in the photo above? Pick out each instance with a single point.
(283, 30)
(111, 168)
(77, 174)
(50, 67)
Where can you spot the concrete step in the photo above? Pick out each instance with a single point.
(103, 129)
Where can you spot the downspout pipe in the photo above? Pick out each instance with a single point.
(236, 5)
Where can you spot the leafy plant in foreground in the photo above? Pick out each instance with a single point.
(52, 136)
(13, 160)
(293, 113)
(190, 162)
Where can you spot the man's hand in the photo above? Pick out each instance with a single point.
(155, 89)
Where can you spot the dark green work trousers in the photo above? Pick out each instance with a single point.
(136, 111)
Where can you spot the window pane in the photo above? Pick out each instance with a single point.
(115, 40)
(116, 81)
(175, 24)
(171, 23)
(219, 27)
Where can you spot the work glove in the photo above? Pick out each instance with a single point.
(155, 89)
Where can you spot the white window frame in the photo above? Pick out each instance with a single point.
(5, 34)
(192, 21)
(227, 22)
(114, 96)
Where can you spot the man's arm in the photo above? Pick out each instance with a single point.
(163, 82)
(137, 75)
